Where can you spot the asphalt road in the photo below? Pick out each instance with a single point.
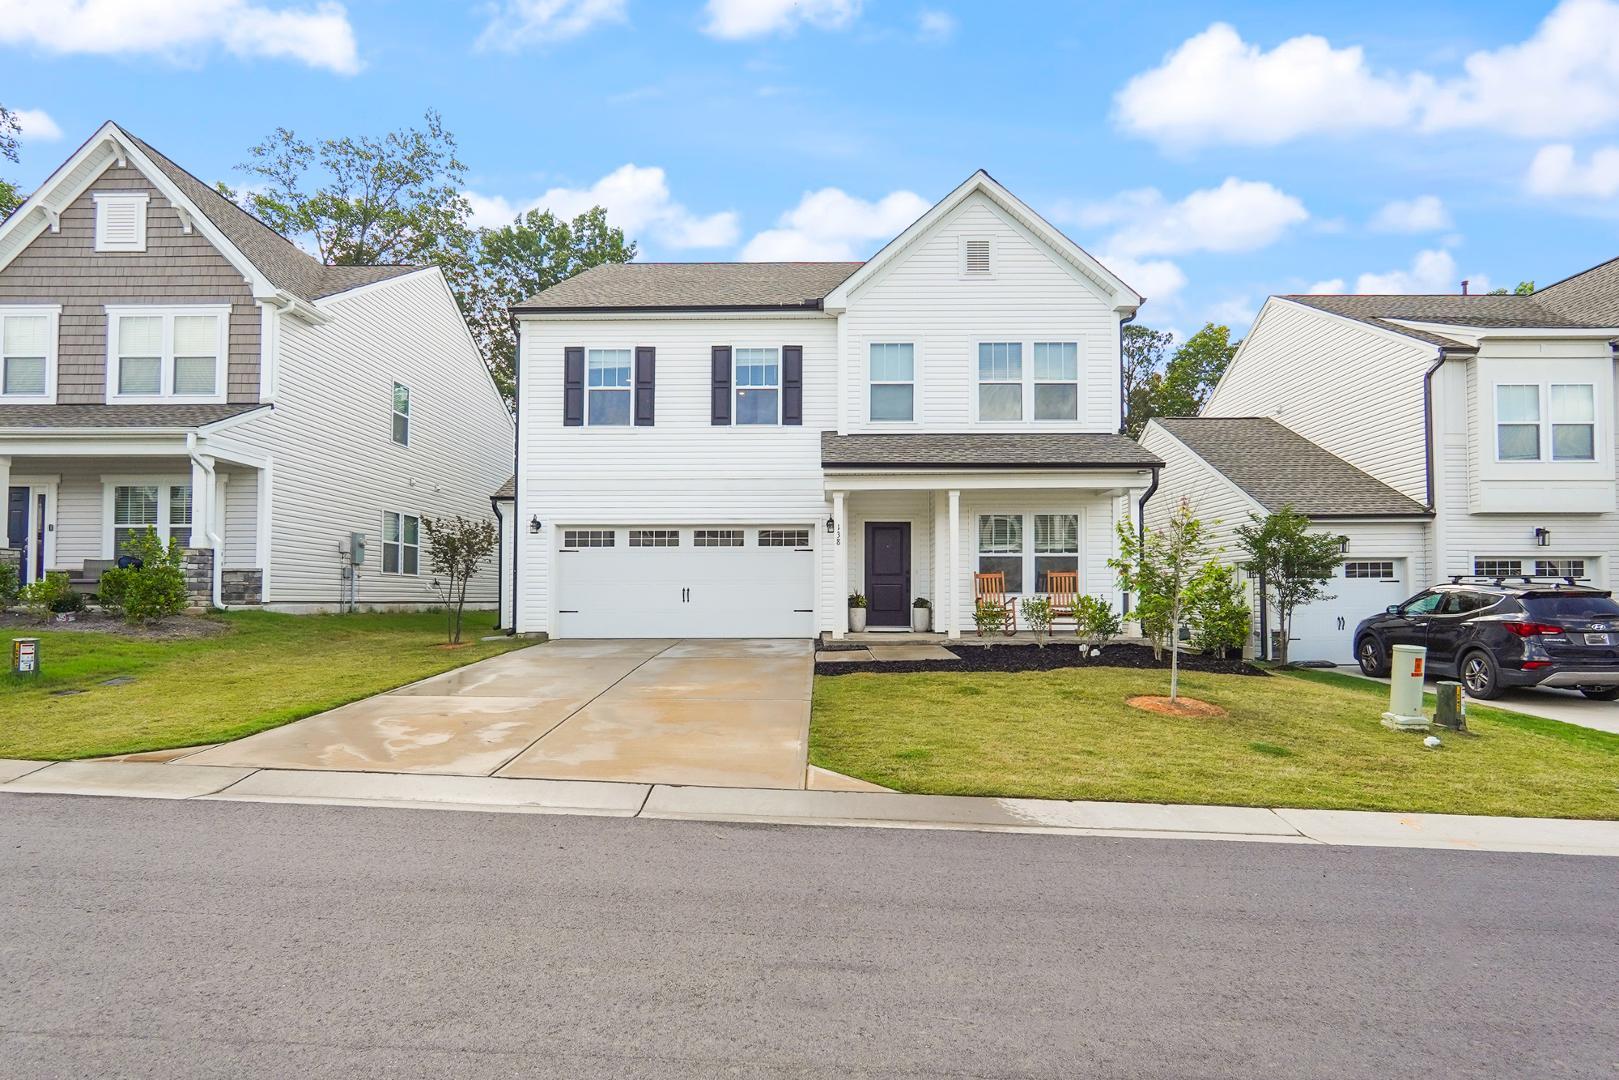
(175, 939)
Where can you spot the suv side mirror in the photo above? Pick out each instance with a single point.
(1393, 609)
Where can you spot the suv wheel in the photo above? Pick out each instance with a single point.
(1480, 675)
(1371, 657)
(1607, 693)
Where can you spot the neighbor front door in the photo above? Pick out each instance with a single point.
(888, 573)
(17, 524)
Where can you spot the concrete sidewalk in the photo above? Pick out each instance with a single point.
(789, 807)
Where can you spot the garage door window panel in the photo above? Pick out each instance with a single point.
(588, 538)
(712, 538)
(654, 538)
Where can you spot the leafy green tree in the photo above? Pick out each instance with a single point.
(1293, 563)
(10, 196)
(515, 261)
(1159, 567)
(1524, 288)
(1218, 609)
(1145, 350)
(1193, 371)
(457, 549)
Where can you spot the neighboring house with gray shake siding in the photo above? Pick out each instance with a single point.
(167, 360)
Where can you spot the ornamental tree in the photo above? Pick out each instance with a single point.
(1293, 564)
(1160, 566)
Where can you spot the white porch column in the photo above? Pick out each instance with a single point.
(840, 566)
(202, 503)
(5, 480)
(953, 589)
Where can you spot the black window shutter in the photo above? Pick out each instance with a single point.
(645, 384)
(573, 387)
(792, 384)
(721, 412)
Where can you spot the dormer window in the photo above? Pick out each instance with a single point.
(977, 257)
(120, 220)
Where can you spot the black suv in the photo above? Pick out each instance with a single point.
(1492, 633)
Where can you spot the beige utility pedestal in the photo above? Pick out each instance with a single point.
(1405, 690)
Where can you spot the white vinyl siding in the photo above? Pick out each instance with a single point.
(120, 220)
(167, 354)
(28, 348)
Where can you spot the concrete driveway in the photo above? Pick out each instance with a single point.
(1569, 706)
(702, 712)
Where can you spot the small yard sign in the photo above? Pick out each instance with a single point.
(25, 656)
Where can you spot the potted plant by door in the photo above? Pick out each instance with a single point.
(921, 612)
(857, 612)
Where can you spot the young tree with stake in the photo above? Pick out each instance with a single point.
(1159, 567)
(1294, 564)
(457, 549)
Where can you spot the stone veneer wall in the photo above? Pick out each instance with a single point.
(198, 566)
(12, 556)
(239, 587)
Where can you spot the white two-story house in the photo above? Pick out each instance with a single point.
(1443, 435)
(731, 449)
(168, 361)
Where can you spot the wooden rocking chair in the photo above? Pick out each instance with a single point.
(1063, 587)
(990, 590)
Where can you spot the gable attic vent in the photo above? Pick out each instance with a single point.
(120, 221)
(976, 257)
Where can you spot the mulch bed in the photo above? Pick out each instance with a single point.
(181, 627)
(1181, 706)
(1034, 658)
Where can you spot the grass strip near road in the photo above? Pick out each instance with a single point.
(1297, 739)
(264, 671)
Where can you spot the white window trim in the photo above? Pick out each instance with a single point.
(53, 315)
(165, 512)
(915, 384)
(1029, 554)
(104, 197)
(1543, 389)
(1027, 344)
(781, 392)
(961, 257)
(629, 390)
(393, 411)
(168, 313)
(382, 544)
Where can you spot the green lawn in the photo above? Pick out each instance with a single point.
(264, 671)
(1302, 740)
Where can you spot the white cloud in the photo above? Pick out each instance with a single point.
(1217, 88)
(733, 19)
(1156, 279)
(519, 23)
(1239, 215)
(1431, 271)
(1330, 287)
(832, 225)
(1425, 213)
(1237, 312)
(935, 27)
(318, 35)
(1557, 171)
(36, 125)
(637, 200)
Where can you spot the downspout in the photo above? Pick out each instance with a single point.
(500, 551)
(1141, 524)
(1435, 552)
(217, 576)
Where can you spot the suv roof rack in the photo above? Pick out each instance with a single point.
(1556, 581)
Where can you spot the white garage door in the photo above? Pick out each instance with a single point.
(1322, 630)
(663, 581)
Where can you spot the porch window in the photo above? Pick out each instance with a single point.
(1056, 380)
(608, 380)
(179, 507)
(167, 353)
(27, 346)
(758, 386)
(401, 543)
(1000, 548)
(165, 507)
(1000, 382)
(1056, 546)
(893, 381)
(1574, 418)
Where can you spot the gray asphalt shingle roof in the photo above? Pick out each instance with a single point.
(1591, 294)
(45, 417)
(287, 265)
(1278, 467)
(508, 490)
(1454, 309)
(1051, 450)
(686, 286)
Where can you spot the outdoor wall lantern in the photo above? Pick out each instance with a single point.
(1543, 536)
(831, 525)
(534, 524)
(1343, 545)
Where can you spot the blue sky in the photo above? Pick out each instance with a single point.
(1211, 154)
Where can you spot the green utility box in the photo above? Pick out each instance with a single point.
(1451, 711)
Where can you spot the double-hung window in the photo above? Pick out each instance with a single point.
(167, 354)
(1573, 422)
(401, 543)
(893, 381)
(1000, 380)
(1056, 547)
(401, 412)
(607, 378)
(1517, 422)
(758, 386)
(28, 354)
(164, 506)
(1526, 412)
(1000, 548)
(1056, 380)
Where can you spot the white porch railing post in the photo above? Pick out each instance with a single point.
(840, 566)
(953, 588)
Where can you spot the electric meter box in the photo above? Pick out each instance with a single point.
(25, 656)
(357, 548)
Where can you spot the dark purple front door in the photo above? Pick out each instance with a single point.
(17, 523)
(888, 573)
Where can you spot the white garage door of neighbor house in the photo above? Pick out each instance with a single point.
(1322, 630)
(663, 581)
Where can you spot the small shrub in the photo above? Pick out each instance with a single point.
(9, 585)
(857, 600)
(51, 593)
(988, 616)
(1095, 621)
(921, 602)
(1037, 614)
(1152, 612)
(157, 588)
(112, 589)
(1217, 611)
